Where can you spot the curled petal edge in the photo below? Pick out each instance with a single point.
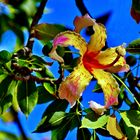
(99, 109)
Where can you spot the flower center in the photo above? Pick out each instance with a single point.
(90, 62)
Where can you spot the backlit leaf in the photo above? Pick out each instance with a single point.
(46, 32)
(114, 128)
(99, 123)
(27, 96)
(51, 88)
(134, 47)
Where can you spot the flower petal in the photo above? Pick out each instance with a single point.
(109, 86)
(99, 109)
(82, 22)
(119, 66)
(104, 59)
(97, 40)
(110, 56)
(72, 87)
(65, 39)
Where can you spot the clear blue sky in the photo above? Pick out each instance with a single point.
(120, 28)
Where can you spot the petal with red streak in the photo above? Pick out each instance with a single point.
(109, 86)
(119, 66)
(65, 39)
(73, 86)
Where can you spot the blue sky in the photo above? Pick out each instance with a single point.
(120, 28)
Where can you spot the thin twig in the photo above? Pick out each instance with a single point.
(36, 18)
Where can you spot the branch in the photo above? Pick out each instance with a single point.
(15, 114)
(81, 7)
(36, 18)
(33, 78)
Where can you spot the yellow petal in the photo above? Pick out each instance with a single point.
(82, 22)
(109, 86)
(110, 56)
(97, 40)
(73, 86)
(119, 66)
(65, 39)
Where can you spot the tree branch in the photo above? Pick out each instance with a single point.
(36, 18)
(81, 7)
(15, 114)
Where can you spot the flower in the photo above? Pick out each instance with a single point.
(93, 63)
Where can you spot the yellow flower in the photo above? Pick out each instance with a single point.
(93, 62)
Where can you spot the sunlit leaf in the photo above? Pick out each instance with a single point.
(46, 32)
(51, 88)
(15, 104)
(99, 123)
(134, 47)
(27, 96)
(114, 128)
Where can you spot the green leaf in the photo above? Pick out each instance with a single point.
(38, 61)
(46, 124)
(68, 57)
(15, 104)
(46, 32)
(130, 120)
(45, 73)
(44, 96)
(7, 136)
(94, 124)
(51, 88)
(114, 128)
(134, 47)
(8, 117)
(131, 133)
(5, 56)
(27, 96)
(5, 94)
(61, 132)
(47, 48)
